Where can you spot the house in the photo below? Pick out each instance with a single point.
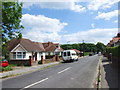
(50, 48)
(115, 41)
(22, 49)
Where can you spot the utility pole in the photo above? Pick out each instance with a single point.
(83, 46)
(67, 45)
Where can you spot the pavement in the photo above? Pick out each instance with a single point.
(78, 74)
(109, 75)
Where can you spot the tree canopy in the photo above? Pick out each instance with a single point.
(87, 47)
(11, 19)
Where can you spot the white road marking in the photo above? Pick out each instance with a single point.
(64, 70)
(34, 83)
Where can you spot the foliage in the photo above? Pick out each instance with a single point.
(86, 47)
(11, 18)
(8, 68)
(86, 53)
(40, 62)
(100, 47)
(12, 65)
(114, 50)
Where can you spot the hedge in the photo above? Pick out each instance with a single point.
(114, 50)
(115, 55)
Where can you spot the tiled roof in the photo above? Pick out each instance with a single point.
(26, 43)
(33, 46)
(116, 39)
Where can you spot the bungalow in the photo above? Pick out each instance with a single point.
(50, 48)
(21, 49)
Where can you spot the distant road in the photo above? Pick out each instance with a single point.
(78, 74)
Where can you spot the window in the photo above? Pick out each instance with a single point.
(64, 53)
(68, 53)
(14, 55)
(73, 54)
(19, 55)
(24, 54)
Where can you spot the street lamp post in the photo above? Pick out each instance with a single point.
(83, 47)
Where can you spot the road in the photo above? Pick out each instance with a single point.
(78, 74)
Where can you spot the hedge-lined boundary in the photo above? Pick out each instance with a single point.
(114, 50)
(115, 56)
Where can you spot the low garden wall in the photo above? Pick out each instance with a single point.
(49, 56)
(20, 62)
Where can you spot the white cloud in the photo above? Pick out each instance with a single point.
(41, 28)
(93, 25)
(116, 21)
(108, 15)
(100, 4)
(71, 5)
(92, 36)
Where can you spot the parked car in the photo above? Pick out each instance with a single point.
(90, 54)
(5, 63)
(69, 55)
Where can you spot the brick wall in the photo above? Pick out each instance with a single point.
(25, 62)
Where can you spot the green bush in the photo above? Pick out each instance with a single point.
(114, 50)
(8, 68)
(86, 53)
(40, 62)
(12, 65)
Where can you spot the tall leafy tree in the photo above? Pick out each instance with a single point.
(100, 47)
(11, 18)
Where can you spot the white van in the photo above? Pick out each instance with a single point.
(69, 55)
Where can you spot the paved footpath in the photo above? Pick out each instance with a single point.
(109, 75)
(26, 70)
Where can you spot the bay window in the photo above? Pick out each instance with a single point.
(19, 55)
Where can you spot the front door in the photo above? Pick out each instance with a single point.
(35, 56)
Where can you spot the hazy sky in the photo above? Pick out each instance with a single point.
(92, 21)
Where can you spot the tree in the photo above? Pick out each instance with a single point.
(100, 47)
(11, 18)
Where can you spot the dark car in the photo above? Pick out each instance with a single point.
(90, 54)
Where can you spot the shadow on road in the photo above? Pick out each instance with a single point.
(67, 62)
(111, 74)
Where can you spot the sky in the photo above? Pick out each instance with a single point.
(70, 21)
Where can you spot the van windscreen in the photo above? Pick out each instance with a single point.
(73, 54)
